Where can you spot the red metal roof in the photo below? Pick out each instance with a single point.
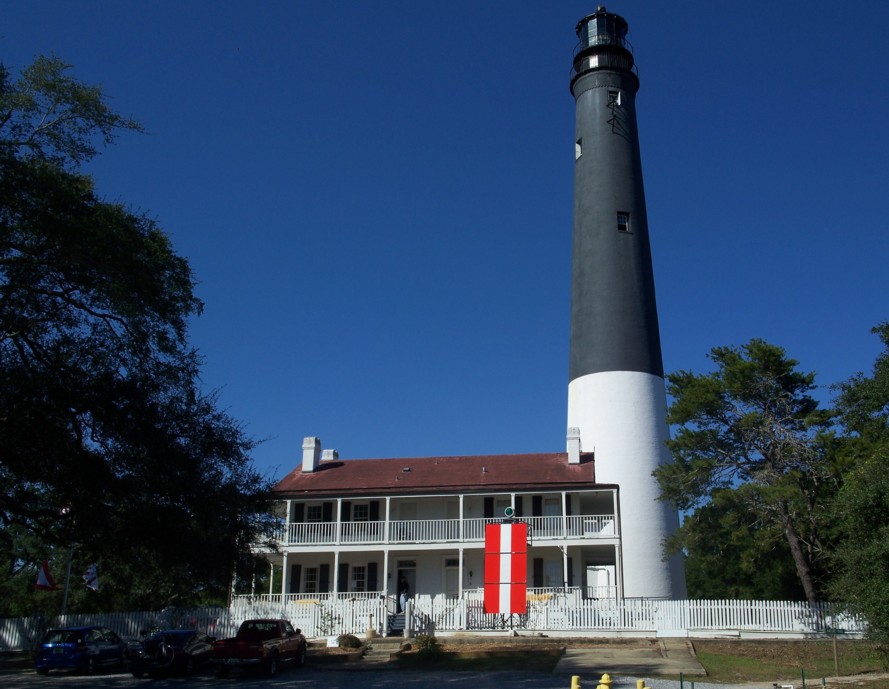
(433, 475)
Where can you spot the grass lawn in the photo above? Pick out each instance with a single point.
(751, 661)
(726, 661)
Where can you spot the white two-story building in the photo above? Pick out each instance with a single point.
(353, 528)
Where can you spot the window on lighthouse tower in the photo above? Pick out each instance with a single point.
(623, 222)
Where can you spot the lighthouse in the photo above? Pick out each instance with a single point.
(616, 393)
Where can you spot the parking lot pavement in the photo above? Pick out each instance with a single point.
(305, 678)
(670, 657)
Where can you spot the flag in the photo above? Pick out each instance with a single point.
(506, 561)
(91, 577)
(45, 582)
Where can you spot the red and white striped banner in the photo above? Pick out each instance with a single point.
(506, 568)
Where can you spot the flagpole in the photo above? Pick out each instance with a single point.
(67, 581)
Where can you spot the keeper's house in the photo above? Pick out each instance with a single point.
(352, 528)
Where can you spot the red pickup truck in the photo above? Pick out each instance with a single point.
(260, 643)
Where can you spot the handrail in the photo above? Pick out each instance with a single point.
(541, 528)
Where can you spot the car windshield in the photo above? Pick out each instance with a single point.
(62, 636)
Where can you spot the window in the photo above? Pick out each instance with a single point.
(311, 580)
(360, 513)
(552, 574)
(359, 578)
(578, 148)
(623, 222)
(313, 513)
(614, 98)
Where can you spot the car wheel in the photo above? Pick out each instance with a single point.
(272, 668)
(91, 666)
(223, 672)
(301, 656)
(164, 656)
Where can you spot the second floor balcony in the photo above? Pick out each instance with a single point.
(431, 531)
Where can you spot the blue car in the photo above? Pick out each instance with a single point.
(80, 648)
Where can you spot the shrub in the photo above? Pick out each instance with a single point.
(428, 647)
(349, 641)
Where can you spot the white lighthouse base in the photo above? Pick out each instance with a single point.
(622, 419)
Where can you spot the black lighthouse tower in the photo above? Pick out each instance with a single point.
(616, 396)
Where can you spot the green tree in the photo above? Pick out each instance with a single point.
(731, 553)
(861, 559)
(753, 422)
(108, 446)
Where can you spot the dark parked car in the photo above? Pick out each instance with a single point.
(80, 648)
(171, 651)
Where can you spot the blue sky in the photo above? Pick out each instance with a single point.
(376, 197)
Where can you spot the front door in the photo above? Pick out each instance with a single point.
(408, 570)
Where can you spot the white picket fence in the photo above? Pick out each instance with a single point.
(556, 614)
(693, 618)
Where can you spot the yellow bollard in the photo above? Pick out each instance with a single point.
(575, 681)
(605, 682)
(640, 684)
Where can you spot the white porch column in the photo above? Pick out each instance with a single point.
(388, 519)
(284, 577)
(386, 569)
(564, 517)
(461, 520)
(460, 572)
(334, 594)
(461, 621)
(339, 520)
(271, 578)
(565, 566)
(618, 549)
(285, 537)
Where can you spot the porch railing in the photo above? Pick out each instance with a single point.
(590, 526)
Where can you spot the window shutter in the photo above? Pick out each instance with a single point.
(568, 505)
(343, 584)
(518, 506)
(346, 512)
(324, 579)
(372, 576)
(299, 513)
(327, 512)
(489, 508)
(295, 575)
(538, 572)
(374, 511)
(537, 506)
(570, 572)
